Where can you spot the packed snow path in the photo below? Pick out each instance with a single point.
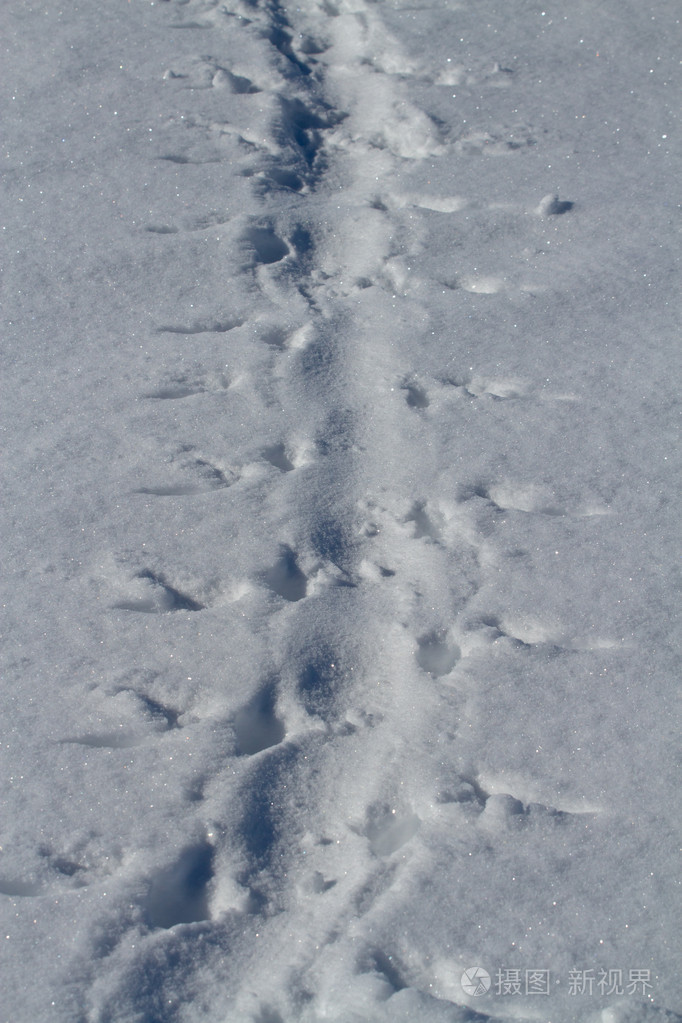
(339, 510)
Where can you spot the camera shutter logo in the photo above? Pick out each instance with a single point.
(475, 981)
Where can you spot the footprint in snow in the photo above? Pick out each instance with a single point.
(155, 595)
(285, 578)
(276, 455)
(529, 632)
(263, 246)
(284, 339)
(221, 326)
(389, 829)
(534, 499)
(425, 526)
(179, 893)
(257, 726)
(415, 395)
(436, 654)
(202, 223)
(184, 385)
(211, 477)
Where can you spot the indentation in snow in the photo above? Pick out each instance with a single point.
(286, 578)
(437, 655)
(266, 246)
(179, 894)
(390, 829)
(257, 726)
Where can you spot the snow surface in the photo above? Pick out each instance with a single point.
(341, 404)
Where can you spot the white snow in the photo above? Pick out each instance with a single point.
(340, 519)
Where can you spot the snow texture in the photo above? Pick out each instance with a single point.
(341, 418)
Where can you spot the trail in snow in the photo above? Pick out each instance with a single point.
(349, 546)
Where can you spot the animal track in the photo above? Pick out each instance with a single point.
(70, 867)
(483, 285)
(529, 632)
(478, 387)
(141, 718)
(210, 477)
(319, 683)
(218, 478)
(529, 498)
(106, 740)
(182, 159)
(221, 78)
(279, 177)
(284, 338)
(266, 247)
(499, 143)
(388, 829)
(387, 966)
(179, 894)
(496, 805)
(524, 632)
(437, 655)
(319, 885)
(203, 223)
(172, 490)
(424, 524)
(502, 389)
(276, 455)
(532, 499)
(434, 203)
(415, 396)
(280, 166)
(166, 717)
(191, 25)
(184, 386)
(158, 597)
(161, 229)
(306, 128)
(407, 132)
(203, 327)
(553, 206)
(282, 40)
(257, 726)
(261, 823)
(500, 806)
(285, 578)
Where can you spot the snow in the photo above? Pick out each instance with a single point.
(341, 403)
